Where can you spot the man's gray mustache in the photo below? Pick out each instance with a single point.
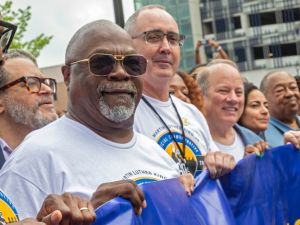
(126, 86)
(44, 98)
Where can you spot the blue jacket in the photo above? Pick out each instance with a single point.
(275, 131)
(248, 136)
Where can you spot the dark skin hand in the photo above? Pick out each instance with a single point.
(126, 189)
(69, 206)
(51, 219)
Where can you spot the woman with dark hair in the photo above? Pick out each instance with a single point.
(256, 115)
(186, 88)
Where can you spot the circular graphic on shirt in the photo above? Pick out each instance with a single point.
(143, 180)
(192, 151)
(8, 213)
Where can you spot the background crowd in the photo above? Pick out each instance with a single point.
(131, 114)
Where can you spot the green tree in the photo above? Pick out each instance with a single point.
(21, 18)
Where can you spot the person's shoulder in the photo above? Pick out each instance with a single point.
(36, 143)
(146, 141)
(247, 134)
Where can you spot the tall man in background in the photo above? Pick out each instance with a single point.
(179, 128)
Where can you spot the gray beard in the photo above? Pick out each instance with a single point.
(119, 112)
(28, 116)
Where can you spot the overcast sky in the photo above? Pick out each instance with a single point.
(62, 18)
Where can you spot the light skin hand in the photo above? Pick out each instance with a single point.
(292, 137)
(212, 43)
(69, 205)
(188, 182)
(257, 147)
(126, 189)
(198, 45)
(218, 164)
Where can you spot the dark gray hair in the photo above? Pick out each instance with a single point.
(202, 77)
(11, 54)
(130, 23)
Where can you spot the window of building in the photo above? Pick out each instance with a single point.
(288, 49)
(208, 28)
(258, 53)
(268, 18)
(220, 25)
(184, 12)
(290, 15)
(237, 22)
(186, 29)
(239, 55)
(254, 20)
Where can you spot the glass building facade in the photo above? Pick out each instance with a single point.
(180, 10)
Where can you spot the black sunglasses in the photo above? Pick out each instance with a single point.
(103, 64)
(7, 35)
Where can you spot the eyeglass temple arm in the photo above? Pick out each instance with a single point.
(84, 60)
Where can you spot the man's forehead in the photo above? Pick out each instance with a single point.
(19, 67)
(157, 19)
(280, 78)
(108, 43)
(224, 72)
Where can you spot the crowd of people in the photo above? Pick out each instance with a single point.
(132, 118)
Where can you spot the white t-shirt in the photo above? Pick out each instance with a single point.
(66, 156)
(198, 138)
(237, 149)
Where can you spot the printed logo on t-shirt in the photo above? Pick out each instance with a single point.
(8, 213)
(193, 155)
(143, 176)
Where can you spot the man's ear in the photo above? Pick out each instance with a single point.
(2, 103)
(66, 73)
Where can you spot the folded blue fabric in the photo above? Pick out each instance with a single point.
(267, 190)
(258, 191)
(168, 203)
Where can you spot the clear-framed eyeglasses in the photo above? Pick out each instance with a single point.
(156, 37)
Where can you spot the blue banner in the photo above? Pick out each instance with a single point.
(267, 190)
(168, 203)
(257, 191)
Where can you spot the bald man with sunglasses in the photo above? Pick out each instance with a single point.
(94, 144)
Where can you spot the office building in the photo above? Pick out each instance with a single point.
(259, 35)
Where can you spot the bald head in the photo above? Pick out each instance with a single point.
(86, 35)
(282, 94)
(264, 84)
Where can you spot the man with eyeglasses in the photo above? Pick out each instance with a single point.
(26, 101)
(179, 128)
(94, 144)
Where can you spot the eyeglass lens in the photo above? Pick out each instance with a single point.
(157, 37)
(5, 39)
(134, 65)
(34, 84)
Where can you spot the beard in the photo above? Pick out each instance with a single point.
(29, 116)
(119, 112)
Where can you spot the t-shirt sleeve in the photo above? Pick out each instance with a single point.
(26, 206)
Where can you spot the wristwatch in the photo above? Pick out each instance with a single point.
(219, 48)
